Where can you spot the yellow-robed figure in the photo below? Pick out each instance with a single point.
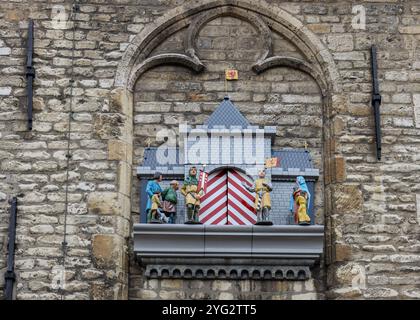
(301, 214)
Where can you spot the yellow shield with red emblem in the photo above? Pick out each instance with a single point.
(231, 74)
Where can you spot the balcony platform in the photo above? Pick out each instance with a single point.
(240, 252)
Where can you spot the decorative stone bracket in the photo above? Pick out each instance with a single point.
(236, 252)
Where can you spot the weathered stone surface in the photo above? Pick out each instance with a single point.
(380, 293)
(342, 252)
(377, 212)
(350, 273)
(108, 251)
(103, 203)
(347, 199)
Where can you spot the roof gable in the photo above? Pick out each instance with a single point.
(294, 158)
(227, 115)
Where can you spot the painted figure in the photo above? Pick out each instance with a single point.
(301, 211)
(300, 201)
(151, 188)
(262, 187)
(170, 200)
(154, 209)
(192, 198)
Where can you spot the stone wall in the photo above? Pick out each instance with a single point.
(369, 207)
(223, 289)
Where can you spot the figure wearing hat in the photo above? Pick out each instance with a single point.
(170, 200)
(192, 198)
(262, 188)
(152, 187)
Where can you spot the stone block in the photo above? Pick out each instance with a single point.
(340, 43)
(378, 293)
(147, 294)
(5, 91)
(418, 207)
(347, 292)
(396, 76)
(101, 291)
(171, 283)
(103, 203)
(409, 29)
(305, 296)
(220, 285)
(108, 251)
(351, 274)
(117, 150)
(124, 178)
(122, 101)
(347, 199)
(343, 252)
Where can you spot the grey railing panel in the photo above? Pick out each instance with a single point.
(168, 240)
(293, 241)
(300, 243)
(227, 240)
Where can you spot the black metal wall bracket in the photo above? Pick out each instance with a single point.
(30, 71)
(10, 275)
(376, 101)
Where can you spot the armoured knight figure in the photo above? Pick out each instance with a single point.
(262, 187)
(192, 198)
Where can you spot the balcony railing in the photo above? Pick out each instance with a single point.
(228, 251)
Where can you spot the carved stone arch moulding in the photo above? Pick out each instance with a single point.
(202, 19)
(164, 58)
(299, 64)
(321, 66)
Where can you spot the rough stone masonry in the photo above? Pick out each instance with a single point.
(111, 74)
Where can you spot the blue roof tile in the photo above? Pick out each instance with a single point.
(294, 158)
(151, 159)
(288, 159)
(227, 115)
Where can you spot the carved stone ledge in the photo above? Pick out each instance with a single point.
(186, 251)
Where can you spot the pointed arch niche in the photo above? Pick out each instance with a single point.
(173, 71)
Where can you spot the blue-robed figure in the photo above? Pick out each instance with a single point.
(151, 188)
(300, 184)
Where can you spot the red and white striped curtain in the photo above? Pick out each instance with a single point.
(226, 200)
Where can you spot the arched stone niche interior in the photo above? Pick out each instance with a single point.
(169, 94)
(175, 73)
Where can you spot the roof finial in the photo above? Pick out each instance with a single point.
(148, 142)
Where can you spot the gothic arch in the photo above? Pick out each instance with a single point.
(260, 14)
(319, 64)
(203, 18)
